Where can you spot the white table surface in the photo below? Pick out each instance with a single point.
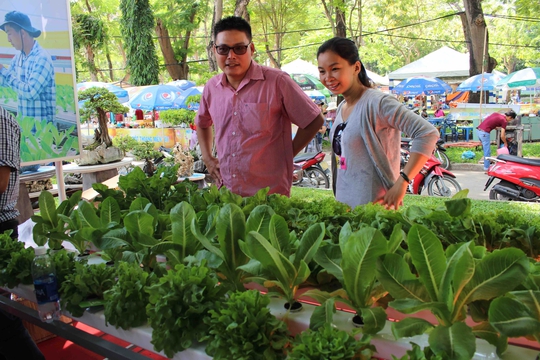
(85, 169)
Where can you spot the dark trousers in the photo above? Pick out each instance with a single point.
(15, 342)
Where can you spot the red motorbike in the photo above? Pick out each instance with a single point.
(435, 179)
(519, 178)
(311, 171)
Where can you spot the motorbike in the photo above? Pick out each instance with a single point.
(519, 178)
(432, 178)
(439, 153)
(311, 171)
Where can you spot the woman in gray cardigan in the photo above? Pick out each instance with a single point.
(367, 130)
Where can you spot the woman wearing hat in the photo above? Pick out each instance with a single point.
(31, 72)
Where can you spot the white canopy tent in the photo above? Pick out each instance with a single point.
(300, 66)
(445, 62)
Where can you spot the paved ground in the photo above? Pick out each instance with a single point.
(474, 181)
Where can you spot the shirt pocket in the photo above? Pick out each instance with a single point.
(256, 117)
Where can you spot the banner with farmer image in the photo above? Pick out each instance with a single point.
(37, 78)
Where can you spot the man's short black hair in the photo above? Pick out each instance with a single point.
(511, 113)
(233, 23)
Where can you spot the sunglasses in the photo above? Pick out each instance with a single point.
(238, 49)
(336, 142)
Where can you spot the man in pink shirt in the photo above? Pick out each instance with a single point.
(252, 108)
(491, 122)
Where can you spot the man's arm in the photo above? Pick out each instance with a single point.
(503, 136)
(304, 136)
(205, 137)
(5, 171)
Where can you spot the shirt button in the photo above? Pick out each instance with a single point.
(233, 155)
(233, 175)
(234, 133)
(236, 94)
(235, 113)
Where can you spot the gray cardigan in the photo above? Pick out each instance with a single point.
(371, 146)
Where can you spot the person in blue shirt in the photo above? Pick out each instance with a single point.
(31, 71)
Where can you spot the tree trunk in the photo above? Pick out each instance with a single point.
(91, 63)
(241, 9)
(475, 31)
(109, 62)
(172, 65)
(341, 28)
(218, 13)
(104, 137)
(329, 16)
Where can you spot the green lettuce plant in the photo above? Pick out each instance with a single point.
(126, 300)
(178, 304)
(353, 263)
(15, 262)
(242, 328)
(330, 343)
(448, 285)
(275, 263)
(85, 287)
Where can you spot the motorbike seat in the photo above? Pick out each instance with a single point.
(519, 160)
(304, 157)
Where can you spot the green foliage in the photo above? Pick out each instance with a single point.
(15, 262)
(126, 301)
(144, 150)
(328, 342)
(243, 328)
(176, 117)
(96, 100)
(137, 25)
(64, 264)
(125, 142)
(178, 305)
(85, 287)
(88, 31)
(41, 140)
(448, 284)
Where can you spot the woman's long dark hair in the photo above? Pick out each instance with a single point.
(346, 49)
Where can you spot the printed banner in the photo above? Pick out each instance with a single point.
(37, 81)
(166, 137)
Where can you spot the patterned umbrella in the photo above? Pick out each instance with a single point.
(422, 85)
(156, 97)
(525, 77)
(120, 93)
(182, 103)
(486, 81)
(182, 84)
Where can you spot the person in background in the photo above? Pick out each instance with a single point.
(367, 131)
(139, 114)
(15, 342)
(252, 109)
(424, 113)
(315, 145)
(439, 112)
(493, 121)
(31, 71)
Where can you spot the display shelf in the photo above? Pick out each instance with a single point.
(385, 343)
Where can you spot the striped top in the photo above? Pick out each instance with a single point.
(10, 137)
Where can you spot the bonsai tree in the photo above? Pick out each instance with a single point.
(100, 101)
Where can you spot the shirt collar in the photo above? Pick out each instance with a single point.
(255, 72)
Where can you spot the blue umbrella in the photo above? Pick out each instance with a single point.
(120, 93)
(182, 99)
(156, 97)
(182, 84)
(487, 81)
(421, 85)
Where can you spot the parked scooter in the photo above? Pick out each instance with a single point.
(439, 153)
(519, 178)
(311, 171)
(432, 178)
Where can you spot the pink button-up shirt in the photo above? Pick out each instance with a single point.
(253, 128)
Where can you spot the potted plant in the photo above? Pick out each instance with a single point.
(97, 103)
(177, 117)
